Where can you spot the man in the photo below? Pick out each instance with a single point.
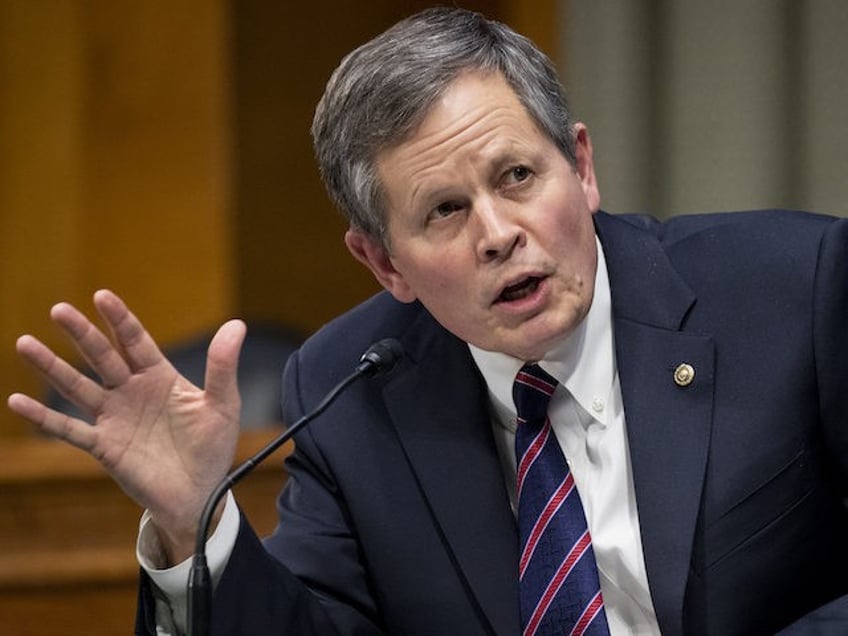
(697, 370)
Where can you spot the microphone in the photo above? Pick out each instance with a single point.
(380, 358)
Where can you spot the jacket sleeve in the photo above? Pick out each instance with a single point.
(309, 576)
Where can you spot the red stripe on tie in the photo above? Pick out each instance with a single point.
(529, 457)
(554, 504)
(562, 573)
(589, 614)
(536, 383)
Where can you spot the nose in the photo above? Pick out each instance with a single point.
(498, 232)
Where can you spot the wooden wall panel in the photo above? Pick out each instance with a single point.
(114, 167)
(41, 177)
(158, 215)
(538, 20)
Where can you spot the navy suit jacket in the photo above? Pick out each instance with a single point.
(396, 520)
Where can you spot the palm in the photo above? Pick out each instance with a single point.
(161, 440)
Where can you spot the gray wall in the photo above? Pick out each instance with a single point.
(712, 105)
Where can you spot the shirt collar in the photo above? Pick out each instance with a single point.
(584, 363)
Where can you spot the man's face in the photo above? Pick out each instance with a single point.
(488, 225)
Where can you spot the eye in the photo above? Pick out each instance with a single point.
(446, 209)
(517, 174)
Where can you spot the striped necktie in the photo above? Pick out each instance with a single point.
(560, 591)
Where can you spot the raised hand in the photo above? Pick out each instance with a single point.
(166, 442)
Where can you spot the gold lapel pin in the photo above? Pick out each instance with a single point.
(684, 374)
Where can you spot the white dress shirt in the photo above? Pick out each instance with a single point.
(587, 417)
(172, 605)
(588, 420)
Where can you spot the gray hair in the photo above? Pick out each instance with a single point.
(383, 90)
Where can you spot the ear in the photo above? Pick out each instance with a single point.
(585, 166)
(373, 254)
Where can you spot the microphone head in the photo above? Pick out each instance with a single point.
(381, 357)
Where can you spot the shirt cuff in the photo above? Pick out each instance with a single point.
(173, 581)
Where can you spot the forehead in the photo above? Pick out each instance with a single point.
(477, 116)
(471, 98)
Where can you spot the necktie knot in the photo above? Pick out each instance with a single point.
(532, 393)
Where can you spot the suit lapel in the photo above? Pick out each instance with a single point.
(668, 421)
(449, 444)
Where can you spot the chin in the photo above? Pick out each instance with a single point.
(526, 349)
(550, 333)
(531, 340)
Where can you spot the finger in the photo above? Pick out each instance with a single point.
(221, 382)
(92, 344)
(140, 350)
(70, 429)
(68, 381)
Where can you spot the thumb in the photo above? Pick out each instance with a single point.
(221, 383)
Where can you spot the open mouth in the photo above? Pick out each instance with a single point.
(520, 290)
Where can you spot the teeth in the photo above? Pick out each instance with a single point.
(521, 290)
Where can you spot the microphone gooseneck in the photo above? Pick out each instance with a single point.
(380, 358)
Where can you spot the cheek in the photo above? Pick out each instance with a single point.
(570, 241)
(444, 282)
(574, 227)
(433, 274)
